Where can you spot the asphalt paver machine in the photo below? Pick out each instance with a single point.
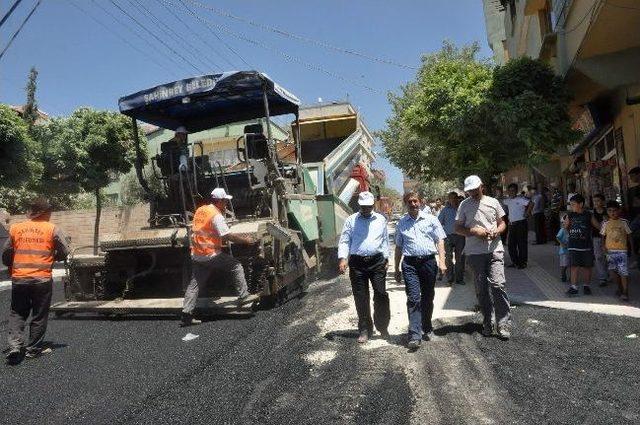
(146, 270)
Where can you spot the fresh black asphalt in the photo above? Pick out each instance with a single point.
(568, 367)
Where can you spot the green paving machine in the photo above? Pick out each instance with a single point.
(293, 210)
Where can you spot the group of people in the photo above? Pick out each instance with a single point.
(600, 238)
(35, 244)
(425, 245)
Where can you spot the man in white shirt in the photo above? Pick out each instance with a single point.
(364, 250)
(539, 203)
(519, 209)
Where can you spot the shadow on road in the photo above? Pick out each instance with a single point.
(468, 328)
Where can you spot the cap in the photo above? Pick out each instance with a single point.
(471, 183)
(366, 199)
(219, 193)
(182, 129)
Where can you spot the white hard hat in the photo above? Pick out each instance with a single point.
(366, 199)
(219, 193)
(471, 183)
(182, 129)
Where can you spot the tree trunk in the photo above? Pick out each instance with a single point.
(96, 228)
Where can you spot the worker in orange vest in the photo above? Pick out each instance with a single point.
(30, 252)
(208, 234)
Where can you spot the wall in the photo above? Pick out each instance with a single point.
(78, 224)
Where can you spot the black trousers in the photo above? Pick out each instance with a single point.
(540, 227)
(363, 270)
(29, 298)
(518, 248)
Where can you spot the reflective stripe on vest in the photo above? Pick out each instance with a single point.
(33, 248)
(204, 241)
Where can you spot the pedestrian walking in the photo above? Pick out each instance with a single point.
(618, 245)
(539, 204)
(563, 253)
(364, 248)
(519, 209)
(479, 219)
(499, 195)
(419, 237)
(579, 223)
(600, 260)
(454, 243)
(425, 206)
(32, 248)
(208, 234)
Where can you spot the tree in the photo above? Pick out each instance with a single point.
(19, 165)
(92, 147)
(461, 116)
(30, 112)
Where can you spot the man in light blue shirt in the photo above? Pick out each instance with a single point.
(454, 244)
(419, 236)
(364, 247)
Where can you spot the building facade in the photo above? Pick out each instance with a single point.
(595, 46)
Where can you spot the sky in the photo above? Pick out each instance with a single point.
(90, 53)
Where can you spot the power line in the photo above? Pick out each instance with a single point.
(139, 35)
(6, 15)
(204, 40)
(619, 6)
(287, 56)
(161, 41)
(15, 34)
(590, 12)
(198, 55)
(124, 40)
(231, 49)
(309, 40)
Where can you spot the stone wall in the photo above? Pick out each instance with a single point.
(78, 224)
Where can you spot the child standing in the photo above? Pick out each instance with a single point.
(563, 239)
(617, 244)
(578, 224)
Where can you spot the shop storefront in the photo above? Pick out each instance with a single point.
(606, 167)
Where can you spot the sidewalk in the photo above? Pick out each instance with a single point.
(539, 284)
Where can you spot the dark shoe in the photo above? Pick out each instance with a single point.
(450, 281)
(428, 336)
(572, 291)
(384, 334)
(504, 333)
(414, 344)
(603, 283)
(32, 354)
(247, 299)
(625, 297)
(14, 356)
(586, 290)
(188, 320)
(363, 337)
(462, 282)
(487, 329)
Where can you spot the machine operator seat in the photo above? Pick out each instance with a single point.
(257, 152)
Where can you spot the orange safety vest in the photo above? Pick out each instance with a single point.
(33, 249)
(204, 241)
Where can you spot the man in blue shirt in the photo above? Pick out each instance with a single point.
(419, 236)
(364, 246)
(454, 244)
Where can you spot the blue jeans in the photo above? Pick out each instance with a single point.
(419, 283)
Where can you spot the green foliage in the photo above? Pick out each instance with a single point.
(462, 117)
(30, 113)
(132, 193)
(90, 147)
(18, 151)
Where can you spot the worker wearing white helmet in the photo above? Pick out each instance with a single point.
(208, 234)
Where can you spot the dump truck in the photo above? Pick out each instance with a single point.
(293, 206)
